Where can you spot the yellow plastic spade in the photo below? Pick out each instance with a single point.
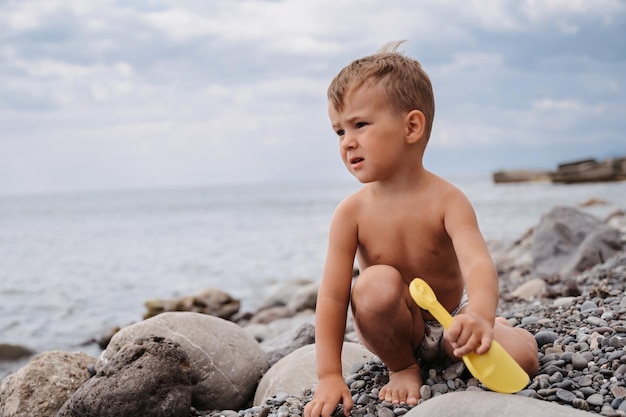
(496, 369)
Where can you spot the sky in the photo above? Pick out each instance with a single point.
(126, 94)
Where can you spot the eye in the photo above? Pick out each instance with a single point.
(340, 132)
(360, 125)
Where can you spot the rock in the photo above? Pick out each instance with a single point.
(226, 362)
(530, 289)
(304, 297)
(104, 340)
(545, 336)
(289, 299)
(297, 371)
(274, 335)
(149, 376)
(281, 296)
(490, 404)
(302, 336)
(568, 241)
(520, 175)
(10, 352)
(271, 314)
(211, 301)
(42, 386)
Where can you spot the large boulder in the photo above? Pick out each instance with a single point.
(568, 241)
(42, 386)
(297, 371)
(149, 376)
(226, 362)
(491, 404)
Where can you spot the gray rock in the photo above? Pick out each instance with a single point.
(530, 289)
(491, 404)
(304, 298)
(545, 336)
(579, 361)
(567, 241)
(282, 295)
(226, 362)
(297, 371)
(42, 386)
(147, 377)
(302, 336)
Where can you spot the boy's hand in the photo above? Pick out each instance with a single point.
(470, 332)
(330, 391)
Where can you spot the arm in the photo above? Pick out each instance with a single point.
(331, 315)
(472, 330)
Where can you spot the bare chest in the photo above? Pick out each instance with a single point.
(415, 243)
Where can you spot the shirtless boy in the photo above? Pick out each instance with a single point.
(405, 222)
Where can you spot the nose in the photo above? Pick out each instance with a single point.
(348, 141)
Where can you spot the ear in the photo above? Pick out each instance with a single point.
(415, 122)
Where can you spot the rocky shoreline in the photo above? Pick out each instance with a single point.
(582, 356)
(576, 308)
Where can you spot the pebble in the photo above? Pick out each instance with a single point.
(582, 356)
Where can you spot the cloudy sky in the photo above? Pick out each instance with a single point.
(108, 94)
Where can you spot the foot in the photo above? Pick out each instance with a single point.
(403, 387)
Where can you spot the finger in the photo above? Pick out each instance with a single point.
(464, 338)
(310, 410)
(327, 410)
(454, 331)
(348, 403)
(485, 345)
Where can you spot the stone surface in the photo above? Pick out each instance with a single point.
(302, 336)
(530, 289)
(42, 386)
(297, 371)
(567, 241)
(490, 404)
(149, 376)
(226, 362)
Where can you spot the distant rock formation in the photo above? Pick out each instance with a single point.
(586, 170)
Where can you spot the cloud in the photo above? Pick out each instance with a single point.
(106, 94)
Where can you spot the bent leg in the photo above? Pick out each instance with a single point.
(391, 326)
(519, 343)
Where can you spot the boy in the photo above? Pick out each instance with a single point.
(405, 222)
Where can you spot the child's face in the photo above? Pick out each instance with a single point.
(371, 135)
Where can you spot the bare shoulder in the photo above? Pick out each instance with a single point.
(447, 193)
(350, 206)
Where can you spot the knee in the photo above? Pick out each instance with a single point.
(376, 287)
(530, 363)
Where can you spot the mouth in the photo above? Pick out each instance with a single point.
(356, 160)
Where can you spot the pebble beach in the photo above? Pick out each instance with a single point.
(581, 354)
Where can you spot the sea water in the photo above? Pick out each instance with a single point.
(73, 266)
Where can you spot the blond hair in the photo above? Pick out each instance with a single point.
(405, 82)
